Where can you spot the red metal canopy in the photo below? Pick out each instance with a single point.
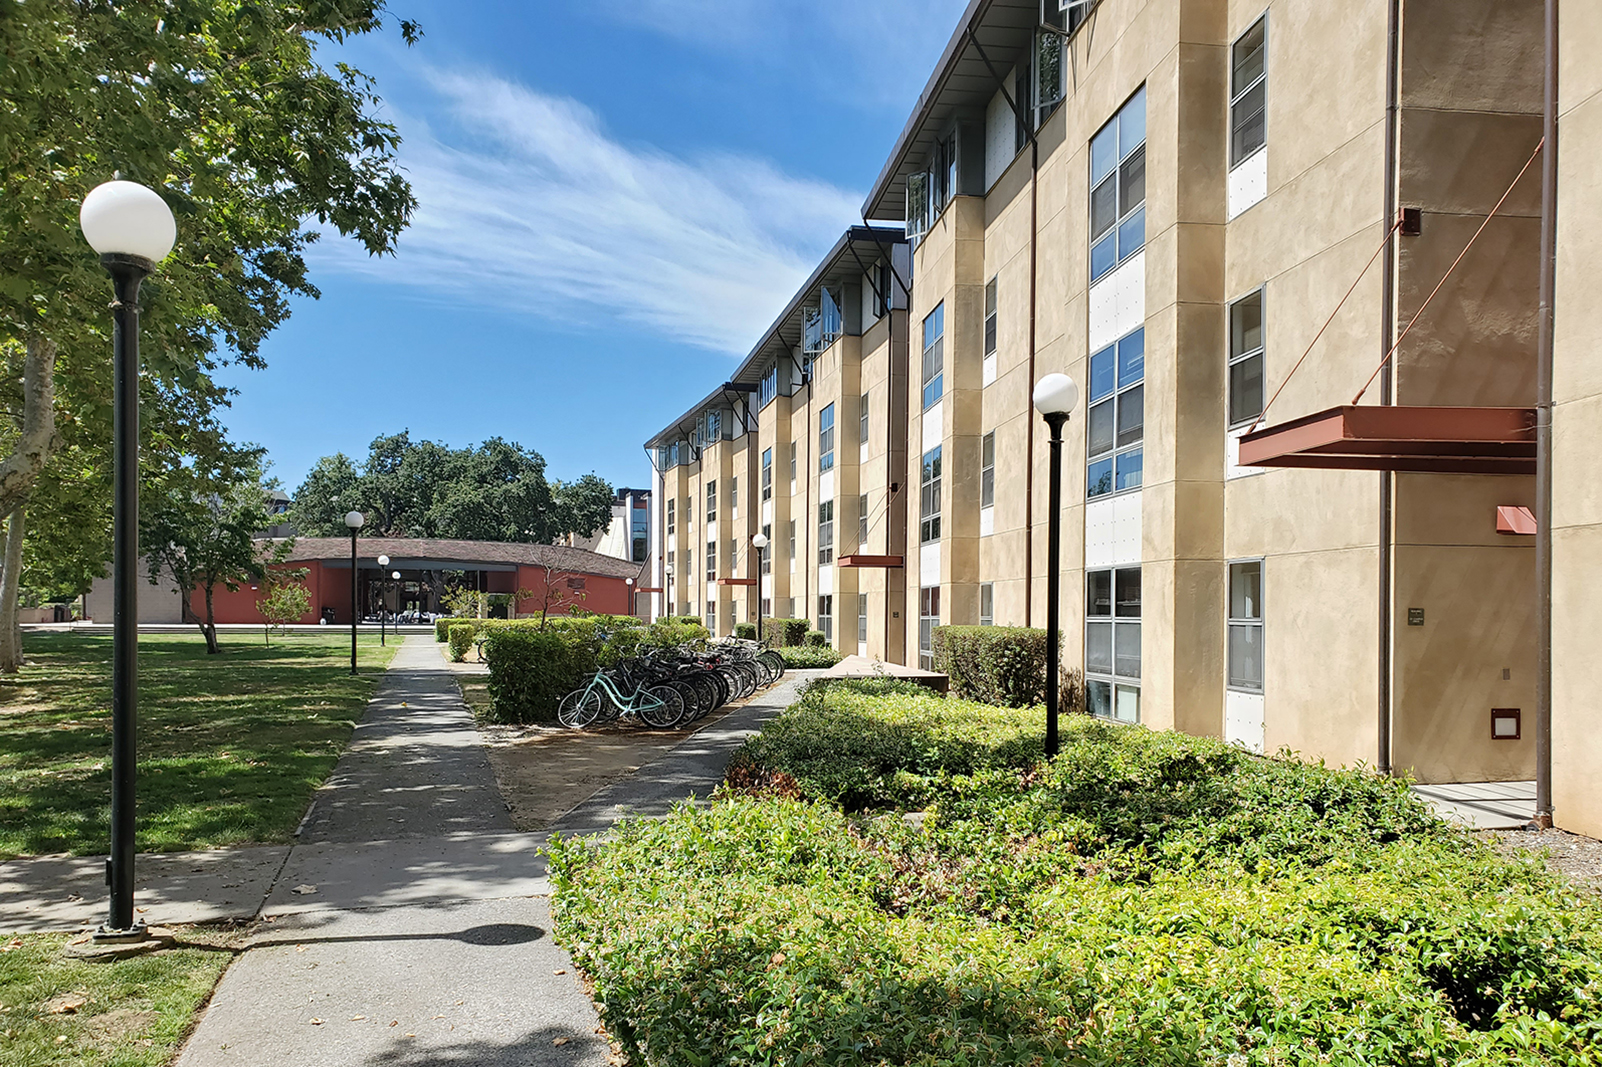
(736, 581)
(869, 561)
(1437, 440)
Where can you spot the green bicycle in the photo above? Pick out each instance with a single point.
(657, 706)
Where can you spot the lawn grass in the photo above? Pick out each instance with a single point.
(135, 1012)
(231, 746)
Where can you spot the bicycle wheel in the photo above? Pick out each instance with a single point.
(774, 663)
(689, 703)
(706, 694)
(579, 708)
(749, 677)
(659, 707)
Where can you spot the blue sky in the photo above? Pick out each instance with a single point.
(616, 197)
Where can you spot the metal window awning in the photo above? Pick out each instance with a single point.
(869, 561)
(735, 581)
(1436, 440)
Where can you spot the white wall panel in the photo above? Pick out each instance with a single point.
(987, 521)
(934, 425)
(826, 486)
(929, 564)
(826, 579)
(1248, 183)
(1243, 719)
(1118, 302)
(1112, 531)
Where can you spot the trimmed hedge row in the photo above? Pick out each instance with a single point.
(1000, 665)
(785, 633)
(1146, 898)
(807, 656)
(442, 627)
(532, 668)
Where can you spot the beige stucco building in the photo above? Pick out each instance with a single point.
(1216, 216)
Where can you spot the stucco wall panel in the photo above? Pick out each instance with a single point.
(1576, 679)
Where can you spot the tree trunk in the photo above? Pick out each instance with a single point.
(10, 590)
(38, 438)
(210, 629)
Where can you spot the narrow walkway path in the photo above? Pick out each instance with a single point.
(406, 927)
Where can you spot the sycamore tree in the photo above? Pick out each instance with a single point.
(201, 531)
(284, 600)
(495, 491)
(222, 107)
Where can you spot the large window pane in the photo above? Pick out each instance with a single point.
(1126, 706)
(1132, 182)
(1103, 207)
(1246, 389)
(1246, 324)
(1129, 593)
(1132, 234)
(1127, 661)
(1101, 427)
(1248, 57)
(1131, 415)
(1098, 594)
(1246, 590)
(1099, 647)
(1098, 699)
(1129, 471)
(1103, 153)
(1132, 358)
(1101, 373)
(1245, 656)
(1104, 256)
(1099, 478)
(1132, 124)
(1248, 123)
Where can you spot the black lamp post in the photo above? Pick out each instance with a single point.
(760, 543)
(1055, 397)
(354, 520)
(383, 602)
(133, 230)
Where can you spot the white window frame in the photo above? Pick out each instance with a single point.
(934, 355)
(987, 471)
(929, 486)
(825, 532)
(987, 603)
(991, 293)
(862, 419)
(767, 473)
(1249, 626)
(1122, 628)
(826, 438)
(1127, 211)
(862, 618)
(1240, 356)
(826, 616)
(1123, 456)
(711, 563)
(1238, 92)
(928, 621)
(711, 500)
(862, 522)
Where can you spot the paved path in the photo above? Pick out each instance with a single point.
(1482, 805)
(407, 926)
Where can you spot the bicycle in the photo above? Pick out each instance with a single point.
(657, 706)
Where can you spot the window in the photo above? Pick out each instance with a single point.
(689, 512)
(734, 556)
(789, 607)
(1112, 643)
(826, 439)
(712, 427)
(575, 583)
(987, 470)
(862, 523)
(862, 419)
(792, 551)
(826, 532)
(928, 619)
(1246, 359)
(1116, 421)
(711, 561)
(929, 499)
(1246, 625)
(1020, 94)
(934, 333)
(942, 178)
(987, 604)
(1118, 187)
(792, 466)
(711, 500)
(712, 617)
(1248, 93)
(767, 553)
(670, 524)
(990, 318)
(862, 618)
(734, 498)
(767, 474)
(826, 617)
(1049, 48)
(769, 387)
(918, 213)
(767, 607)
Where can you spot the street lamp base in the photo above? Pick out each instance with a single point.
(104, 945)
(135, 933)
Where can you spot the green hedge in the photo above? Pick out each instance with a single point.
(1147, 898)
(442, 627)
(783, 633)
(805, 656)
(532, 667)
(745, 631)
(1000, 665)
(461, 641)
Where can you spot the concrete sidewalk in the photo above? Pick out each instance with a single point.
(406, 926)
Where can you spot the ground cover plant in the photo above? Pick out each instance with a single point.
(902, 879)
(231, 747)
(805, 656)
(127, 1013)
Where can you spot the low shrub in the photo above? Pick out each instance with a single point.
(782, 633)
(1146, 898)
(461, 641)
(530, 670)
(803, 657)
(746, 631)
(816, 639)
(1001, 665)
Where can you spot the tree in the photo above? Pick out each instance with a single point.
(496, 491)
(223, 110)
(285, 601)
(202, 531)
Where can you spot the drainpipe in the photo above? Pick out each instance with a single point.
(1543, 429)
(1387, 334)
(1029, 423)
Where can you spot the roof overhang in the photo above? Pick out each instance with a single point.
(961, 81)
(1436, 440)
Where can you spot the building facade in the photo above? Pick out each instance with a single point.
(1220, 218)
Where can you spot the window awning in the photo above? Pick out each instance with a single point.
(869, 561)
(1436, 440)
(735, 581)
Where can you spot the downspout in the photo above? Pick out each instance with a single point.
(1387, 334)
(1543, 428)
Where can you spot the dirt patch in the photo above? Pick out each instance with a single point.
(546, 771)
(1579, 858)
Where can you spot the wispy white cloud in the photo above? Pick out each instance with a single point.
(530, 204)
(867, 52)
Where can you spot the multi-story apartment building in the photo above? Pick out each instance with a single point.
(1317, 225)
